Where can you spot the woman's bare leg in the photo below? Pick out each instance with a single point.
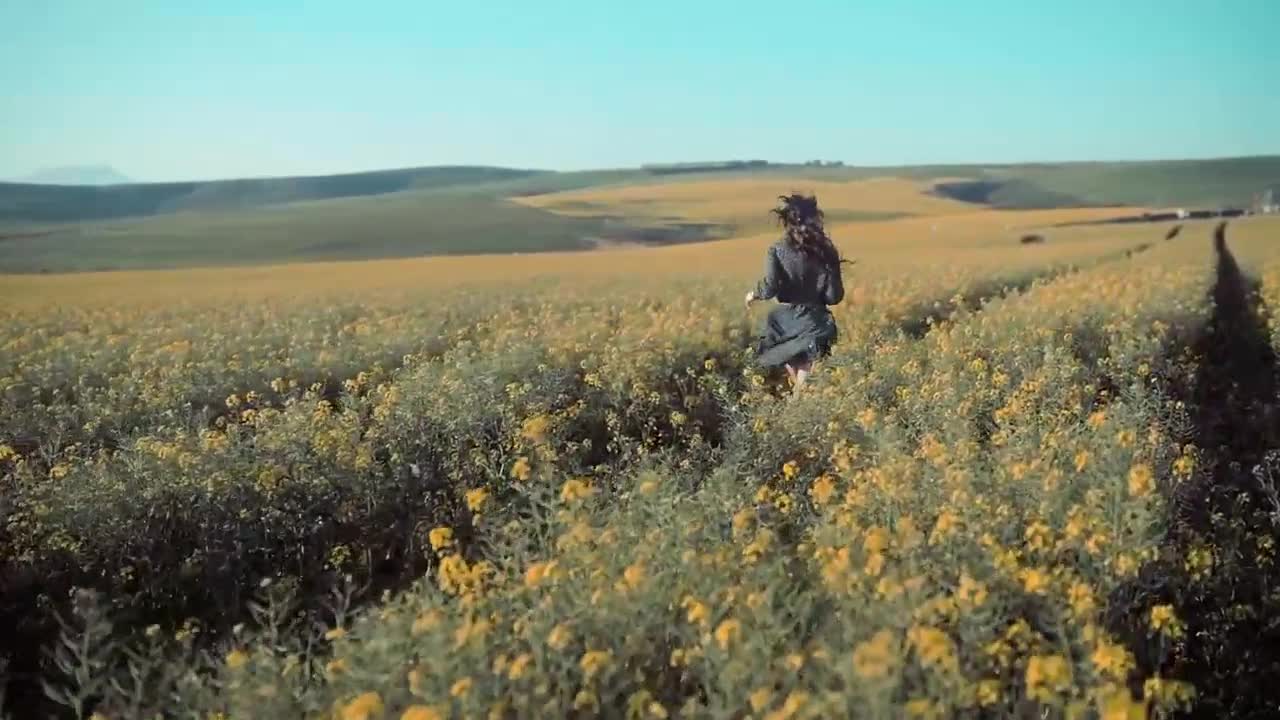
(802, 372)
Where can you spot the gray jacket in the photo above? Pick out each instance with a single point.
(797, 278)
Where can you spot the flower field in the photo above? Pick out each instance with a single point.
(408, 490)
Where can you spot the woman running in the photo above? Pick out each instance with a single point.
(801, 271)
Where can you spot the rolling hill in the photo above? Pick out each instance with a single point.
(34, 203)
(476, 210)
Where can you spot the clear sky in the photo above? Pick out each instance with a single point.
(193, 90)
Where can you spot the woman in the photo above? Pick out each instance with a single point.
(802, 271)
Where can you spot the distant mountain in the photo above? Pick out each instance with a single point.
(76, 175)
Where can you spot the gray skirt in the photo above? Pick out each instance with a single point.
(796, 334)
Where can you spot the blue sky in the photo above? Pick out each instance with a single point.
(170, 90)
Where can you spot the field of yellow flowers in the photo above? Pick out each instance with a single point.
(406, 490)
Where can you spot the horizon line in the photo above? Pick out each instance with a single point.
(845, 165)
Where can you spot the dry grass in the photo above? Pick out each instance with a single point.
(744, 203)
(973, 238)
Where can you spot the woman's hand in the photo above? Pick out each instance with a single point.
(751, 297)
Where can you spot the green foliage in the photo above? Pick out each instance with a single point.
(1211, 184)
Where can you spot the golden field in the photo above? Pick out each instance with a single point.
(566, 492)
(743, 203)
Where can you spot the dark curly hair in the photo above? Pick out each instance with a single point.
(802, 219)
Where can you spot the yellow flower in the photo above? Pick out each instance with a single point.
(944, 526)
(971, 593)
(1141, 480)
(695, 611)
(1116, 703)
(922, 708)
(421, 712)
(758, 546)
(1034, 580)
(875, 564)
(237, 659)
(795, 702)
(888, 588)
(460, 688)
(875, 658)
(1097, 419)
(790, 470)
(1047, 676)
(535, 428)
(425, 621)
(822, 490)
(454, 574)
(999, 651)
(521, 470)
(518, 666)
(1166, 694)
(1112, 659)
(1082, 460)
(559, 637)
(934, 646)
(835, 565)
(536, 573)
(1199, 562)
(594, 662)
(1038, 536)
(335, 667)
(574, 490)
(760, 699)
(1184, 466)
(1164, 620)
(1081, 598)
(633, 575)
(440, 538)
(648, 487)
(470, 630)
(1076, 524)
(876, 540)
(642, 705)
(476, 498)
(365, 706)
(988, 692)
(726, 632)
(783, 503)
